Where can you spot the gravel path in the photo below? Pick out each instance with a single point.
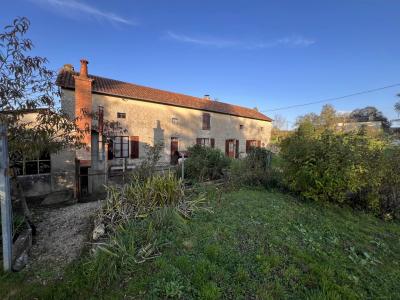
(61, 236)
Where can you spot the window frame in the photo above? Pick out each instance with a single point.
(40, 159)
(202, 142)
(134, 143)
(206, 124)
(252, 144)
(121, 144)
(121, 115)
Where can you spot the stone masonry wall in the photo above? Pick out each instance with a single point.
(152, 122)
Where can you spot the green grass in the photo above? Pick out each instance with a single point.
(256, 245)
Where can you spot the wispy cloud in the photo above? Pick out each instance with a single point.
(205, 41)
(72, 5)
(295, 41)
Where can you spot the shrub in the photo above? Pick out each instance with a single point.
(148, 165)
(340, 167)
(389, 189)
(254, 170)
(205, 163)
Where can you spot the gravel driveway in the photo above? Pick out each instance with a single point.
(62, 233)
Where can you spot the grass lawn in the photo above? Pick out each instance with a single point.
(255, 245)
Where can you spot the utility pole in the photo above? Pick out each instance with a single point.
(5, 198)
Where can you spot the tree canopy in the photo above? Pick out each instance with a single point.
(27, 86)
(369, 114)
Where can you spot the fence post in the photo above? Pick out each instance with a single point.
(5, 198)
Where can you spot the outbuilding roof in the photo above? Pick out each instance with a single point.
(118, 88)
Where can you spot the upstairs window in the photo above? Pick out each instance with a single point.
(241, 127)
(206, 121)
(206, 142)
(261, 129)
(175, 121)
(121, 147)
(121, 115)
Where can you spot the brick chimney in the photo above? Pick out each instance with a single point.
(83, 107)
(207, 97)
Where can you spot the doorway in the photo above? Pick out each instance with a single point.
(174, 150)
(230, 148)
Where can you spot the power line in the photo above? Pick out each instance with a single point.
(333, 99)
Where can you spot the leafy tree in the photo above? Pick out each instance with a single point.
(368, 114)
(312, 118)
(327, 119)
(397, 105)
(27, 86)
(328, 116)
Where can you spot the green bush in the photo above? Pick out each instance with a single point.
(352, 168)
(147, 167)
(205, 163)
(389, 189)
(254, 170)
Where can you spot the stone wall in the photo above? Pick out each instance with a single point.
(152, 122)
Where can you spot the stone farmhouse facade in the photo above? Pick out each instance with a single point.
(148, 116)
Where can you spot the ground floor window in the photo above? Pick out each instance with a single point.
(252, 144)
(207, 142)
(28, 166)
(134, 147)
(121, 146)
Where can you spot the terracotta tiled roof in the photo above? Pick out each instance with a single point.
(113, 87)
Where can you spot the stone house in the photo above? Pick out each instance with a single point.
(149, 116)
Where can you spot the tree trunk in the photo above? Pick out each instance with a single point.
(20, 200)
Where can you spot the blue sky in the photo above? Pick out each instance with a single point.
(264, 54)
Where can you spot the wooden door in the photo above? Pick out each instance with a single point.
(174, 150)
(230, 148)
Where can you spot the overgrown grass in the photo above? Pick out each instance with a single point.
(256, 245)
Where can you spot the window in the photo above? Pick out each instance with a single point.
(175, 121)
(121, 115)
(121, 146)
(241, 127)
(207, 142)
(261, 129)
(40, 165)
(252, 144)
(134, 147)
(206, 121)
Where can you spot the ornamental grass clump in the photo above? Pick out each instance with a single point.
(138, 217)
(138, 198)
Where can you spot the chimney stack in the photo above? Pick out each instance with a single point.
(83, 109)
(84, 70)
(207, 97)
